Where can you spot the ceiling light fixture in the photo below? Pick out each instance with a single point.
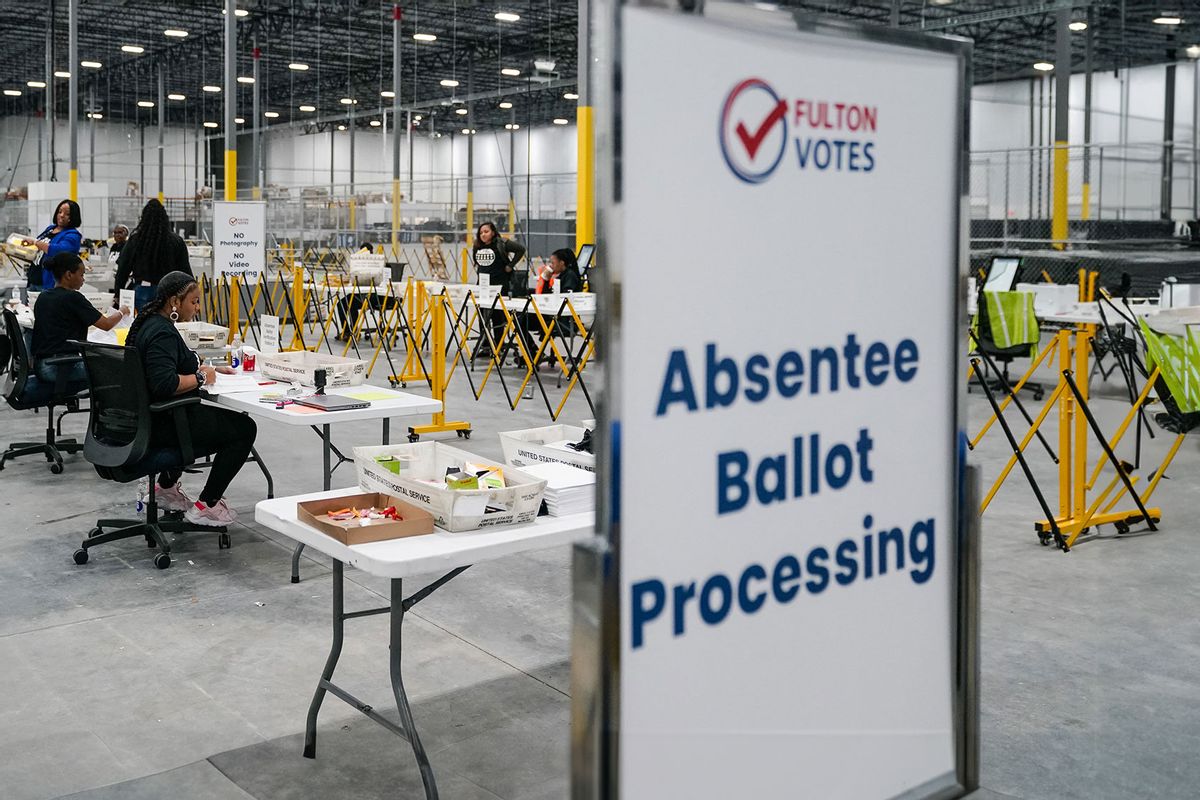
(308, 108)
(418, 118)
(570, 96)
(95, 115)
(509, 71)
(211, 88)
(449, 83)
(1078, 25)
(561, 121)
(237, 12)
(424, 37)
(36, 84)
(239, 120)
(512, 126)
(145, 104)
(210, 124)
(387, 93)
(506, 104)
(132, 48)
(296, 65)
(61, 74)
(1043, 66)
(1194, 51)
(175, 33)
(176, 97)
(375, 123)
(1168, 19)
(507, 16)
(544, 65)
(12, 92)
(91, 64)
(341, 127)
(271, 114)
(245, 79)
(347, 101)
(462, 112)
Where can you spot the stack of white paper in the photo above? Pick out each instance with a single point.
(569, 490)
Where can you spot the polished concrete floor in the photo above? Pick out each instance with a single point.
(123, 681)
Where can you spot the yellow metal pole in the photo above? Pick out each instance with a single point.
(1079, 477)
(465, 263)
(585, 198)
(231, 170)
(1066, 410)
(1085, 212)
(353, 214)
(73, 185)
(234, 316)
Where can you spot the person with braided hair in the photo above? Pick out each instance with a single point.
(153, 250)
(174, 370)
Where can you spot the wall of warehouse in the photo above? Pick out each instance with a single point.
(1000, 120)
(292, 159)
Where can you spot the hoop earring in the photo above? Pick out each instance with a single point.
(174, 315)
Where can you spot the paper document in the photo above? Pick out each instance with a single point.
(368, 393)
(227, 384)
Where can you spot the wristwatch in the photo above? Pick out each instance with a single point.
(200, 378)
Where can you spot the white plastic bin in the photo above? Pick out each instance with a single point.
(301, 367)
(453, 509)
(545, 446)
(201, 334)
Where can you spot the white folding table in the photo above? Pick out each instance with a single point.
(397, 559)
(385, 404)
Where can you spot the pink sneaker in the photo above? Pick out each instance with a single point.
(172, 499)
(211, 516)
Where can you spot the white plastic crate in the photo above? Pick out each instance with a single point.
(201, 334)
(368, 269)
(301, 367)
(453, 509)
(101, 301)
(544, 446)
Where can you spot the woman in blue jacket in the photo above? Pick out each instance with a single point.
(62, 236)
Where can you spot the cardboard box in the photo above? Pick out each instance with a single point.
(413, 521)
(546, 445)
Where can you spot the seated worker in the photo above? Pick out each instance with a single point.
(349, 308)
(173, 370)
(63, 314)
(564, 271)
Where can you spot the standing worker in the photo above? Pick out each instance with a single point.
(62, 236)
(495, 257)
(153, 250)
(120, 234)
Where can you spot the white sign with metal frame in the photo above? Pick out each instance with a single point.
(239, 238)
(785, 472)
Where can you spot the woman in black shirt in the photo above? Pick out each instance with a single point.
(152, 251)
(495, 257)
(171, 370)
(62, 315)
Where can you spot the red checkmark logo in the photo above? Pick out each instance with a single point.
(752, 141)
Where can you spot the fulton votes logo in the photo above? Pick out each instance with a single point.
(239, 221)
(753, 130)
(758, 127)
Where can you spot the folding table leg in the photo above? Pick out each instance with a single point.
(406, 717)
(328, 479)
(335, 651)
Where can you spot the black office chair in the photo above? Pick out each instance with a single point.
(1004, 356)
(23, 392)
(118, 445)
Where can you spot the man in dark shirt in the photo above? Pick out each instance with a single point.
(63, 314)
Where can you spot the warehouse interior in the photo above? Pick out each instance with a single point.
(379, 139)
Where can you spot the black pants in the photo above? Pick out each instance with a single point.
(218, 432)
